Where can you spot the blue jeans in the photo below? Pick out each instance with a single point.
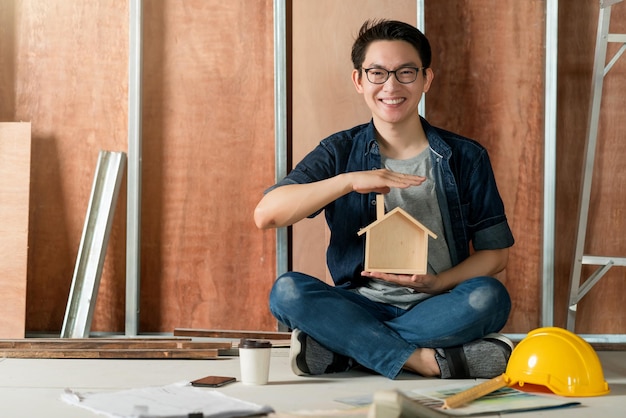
(382, 337)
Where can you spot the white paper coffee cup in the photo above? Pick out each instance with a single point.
(254, 360)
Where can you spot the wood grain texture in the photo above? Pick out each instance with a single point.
(70, 62)
(7, 52)
(187, 354)
(324, 98)
(209, 151)
(601, 310)
(208, 156)
(208, 143)
(15, 153)
(215, 333)
(488, 64)
(112, 348)
(39, 344)
(396, 244)
(484, 88)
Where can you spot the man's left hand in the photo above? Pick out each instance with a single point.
(424, 283)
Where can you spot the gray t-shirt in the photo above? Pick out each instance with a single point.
(421, 203)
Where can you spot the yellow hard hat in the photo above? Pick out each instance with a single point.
(559, 360)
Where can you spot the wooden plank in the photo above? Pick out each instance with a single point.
(268, 335)
(190, 354)
(112, 348)
(189, 140)
(112, 344)
(609, 346)
(15, 151)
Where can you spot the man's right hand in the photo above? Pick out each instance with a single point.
(288, 204)
(382, 181)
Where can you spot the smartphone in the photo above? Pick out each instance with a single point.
(213, 381)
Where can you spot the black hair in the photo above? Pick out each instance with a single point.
(389, 30)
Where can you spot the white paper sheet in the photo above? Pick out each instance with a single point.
(179, 400)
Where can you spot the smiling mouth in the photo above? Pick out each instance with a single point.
(392, 101)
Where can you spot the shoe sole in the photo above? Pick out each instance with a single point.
(295, 349)
(499, 337)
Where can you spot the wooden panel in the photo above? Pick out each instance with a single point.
(15, 145)
(208, 154)
(110, 344)
(208, 333)
(484, 88)
(7, 52)
(489, 67)
(113, 348)
(208, 139)
(69, 80)
(171, 353)
(324, 98)
(601, 310)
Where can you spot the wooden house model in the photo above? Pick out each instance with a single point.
(395, 242)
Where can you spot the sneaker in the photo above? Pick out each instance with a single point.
(485, 358)
(308, 357)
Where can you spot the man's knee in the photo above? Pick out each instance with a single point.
(290, 289)
(489, 293)
(284, 288)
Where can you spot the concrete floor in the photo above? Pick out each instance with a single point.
(32, 388)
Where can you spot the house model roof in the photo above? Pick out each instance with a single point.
(400, 212)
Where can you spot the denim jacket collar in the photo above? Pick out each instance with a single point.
(436, 144)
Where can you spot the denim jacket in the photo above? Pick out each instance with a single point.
(470, 204)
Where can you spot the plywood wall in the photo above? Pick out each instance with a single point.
(208, 154)
(489, 60)
(489, 66)
(483, 89)
(324, 98)
(209, 142)
(68, 79)
(601, 310)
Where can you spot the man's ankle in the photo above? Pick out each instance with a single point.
(423, 362)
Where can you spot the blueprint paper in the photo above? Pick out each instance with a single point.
(180, 400)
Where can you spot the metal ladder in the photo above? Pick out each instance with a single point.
(578, 291)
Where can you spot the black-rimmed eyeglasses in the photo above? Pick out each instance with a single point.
(404, 75)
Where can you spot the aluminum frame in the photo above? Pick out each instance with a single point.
(281, 126)
(549, 171)
(421, 25)
(133, 215)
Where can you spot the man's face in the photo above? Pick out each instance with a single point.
(392, 101)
